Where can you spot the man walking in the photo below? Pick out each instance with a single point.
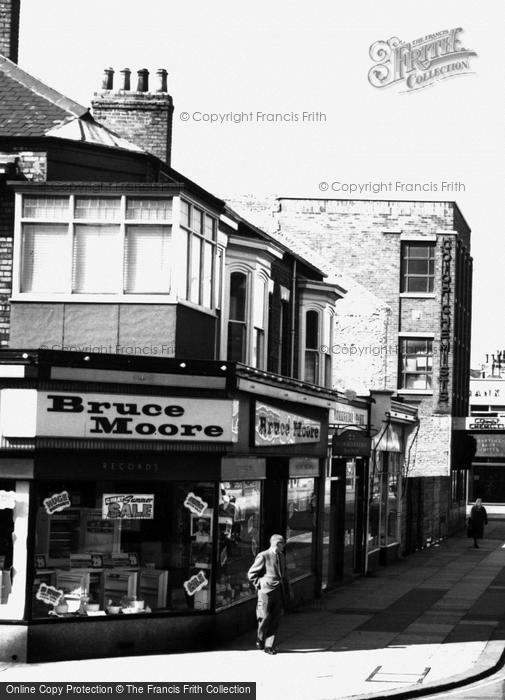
(268, 575)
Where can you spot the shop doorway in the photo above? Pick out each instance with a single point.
(344, 521)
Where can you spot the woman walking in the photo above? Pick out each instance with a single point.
(476, 521)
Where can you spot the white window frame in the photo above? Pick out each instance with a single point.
(325, 331)
(178, 254)
(251, 272)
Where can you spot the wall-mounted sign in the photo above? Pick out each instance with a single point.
(128, 506)
(487, 392)
(273, 426)
(28, 413)
(343, 414)
(481, 423)
(56, 502)
(351, 443)
(490, 445)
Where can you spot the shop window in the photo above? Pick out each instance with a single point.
(384, 503)
(302, 510)
(416, 363)
(13, 540)
(418, 267)
(239, 537)
(103, 245)
(102, 549)
(237, 318)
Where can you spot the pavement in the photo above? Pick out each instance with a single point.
(429, 622)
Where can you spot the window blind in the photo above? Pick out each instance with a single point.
(97, 259)
(147, 259)
(44, 264)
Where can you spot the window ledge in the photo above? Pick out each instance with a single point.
(422, 392)
(95, 298)
(418, 295)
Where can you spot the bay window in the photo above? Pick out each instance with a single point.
(116, 244)
(237, 318)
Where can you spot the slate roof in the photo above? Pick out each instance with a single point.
(30, 108)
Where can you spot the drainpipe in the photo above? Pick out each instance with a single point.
(293, 319)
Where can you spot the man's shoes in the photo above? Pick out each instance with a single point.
(270, 650)
(476, 546)
(260, 644)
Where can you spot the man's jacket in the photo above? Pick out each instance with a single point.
(268, 572)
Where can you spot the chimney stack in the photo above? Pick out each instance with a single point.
(9, 29)
(140, 116)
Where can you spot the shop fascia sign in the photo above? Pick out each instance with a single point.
(32, 413)
(273, 426)
(343, 414)
(486, 392)
(485, 424)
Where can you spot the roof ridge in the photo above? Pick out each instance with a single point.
(12, 70)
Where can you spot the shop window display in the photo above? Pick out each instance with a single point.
(239, 537)
(112, 548)
(301, 526)
(13, 535)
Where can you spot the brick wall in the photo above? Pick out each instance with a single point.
(9, 29)
(143, 118)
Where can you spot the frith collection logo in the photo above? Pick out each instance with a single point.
(420, 63)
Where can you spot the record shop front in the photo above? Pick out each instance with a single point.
(135, 493)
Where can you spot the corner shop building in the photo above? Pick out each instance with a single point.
(134, 493)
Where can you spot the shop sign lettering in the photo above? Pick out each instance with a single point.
(56, 502)
(195, 583)
(49, 594)
(277, 427)
(485, 423)
(123, 506)
(7, 499)
(195, 504)
(28, 413)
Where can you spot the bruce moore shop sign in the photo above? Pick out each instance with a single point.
(28, 413)
(273, 426)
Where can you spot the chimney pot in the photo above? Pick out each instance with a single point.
(126, 73)
(162, 80)
(108, 79)
(143, 80)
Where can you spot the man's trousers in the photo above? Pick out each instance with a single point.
(269, 612)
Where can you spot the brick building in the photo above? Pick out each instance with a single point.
(414, 258)
(169, 367)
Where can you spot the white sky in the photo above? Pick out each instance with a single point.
(294, 56)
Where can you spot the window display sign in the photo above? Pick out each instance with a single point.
(195, 504)
(195, 583)
(28, 413)
(277, 427)
(48, 594)
(7, 499)
(57, 502)
(128, 506)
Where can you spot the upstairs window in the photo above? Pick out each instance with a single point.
(237, 321)
(416, 363)
(95, 245)
(418, 267)
(201, 240)
(311, 373)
